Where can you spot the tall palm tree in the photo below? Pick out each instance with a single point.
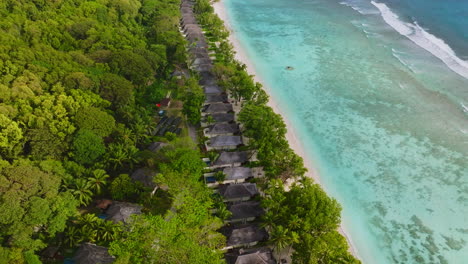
(72, 236)
(90, 220)
(88, 233)
(81, 189)
(269, 219)
(282, 238)
(223, 213)
(131, 156)
(116, 155)
(294, 222)
(98, 180)
(108, 231)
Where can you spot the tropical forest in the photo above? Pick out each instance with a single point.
(115, 148)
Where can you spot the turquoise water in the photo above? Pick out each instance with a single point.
(383, 118)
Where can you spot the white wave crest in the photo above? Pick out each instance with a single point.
(357, 8)
(422, 38)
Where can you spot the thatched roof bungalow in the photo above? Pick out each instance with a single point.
(230, 159)
(186, 4)
(202, 61)
(121, 211)
(89, 253)
(145, 176)
(192, 29)
(207, 78)
(237, 174)
(188, 19)
(212, 89)
(250, 256)
(204, 67)
(244, 235)
(194, 49)
(219, 129)
(223, 142)
(238, 192)
(186, 10)
(217, 108)
(245, 211)
(215, 98)
(194, 37)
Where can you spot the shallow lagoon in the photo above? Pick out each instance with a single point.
(384, 120)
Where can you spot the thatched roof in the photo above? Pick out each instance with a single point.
(186, 4)
(250, 256)
(121, 211)
(192, 28)
(225, 141)
(193, 49)
(212, 89)
(200, 56)
(237, 173)
(188, 19)
(223, 128)
(202, 61)
(188, 16)
(194, 37)
(89, 253)
(238, 191)
(229, 158)
(186, 10)
(245, 210)
(215, 98)
(218, 108)
(207, 79)
(203, 67)
(145, 176)
(222, 117)
(200, 43)
(244, 234)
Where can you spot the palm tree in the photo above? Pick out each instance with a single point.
(210, 120)
(116, 155)
(98, 180)
(126, 135)
(223, 213)
(108, 231)
(141, 131)
(72, 236)
(88, 233)
(131, 156)
(295, 222)
(269, 219)
(282, 238)
(81, 189)
(90, 220)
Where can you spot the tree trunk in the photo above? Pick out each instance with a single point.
(154, 190)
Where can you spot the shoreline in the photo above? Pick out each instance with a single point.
(291, 134)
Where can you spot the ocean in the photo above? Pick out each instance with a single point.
(378, 97)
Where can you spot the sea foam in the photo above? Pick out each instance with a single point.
(354, 5)
(424, 39)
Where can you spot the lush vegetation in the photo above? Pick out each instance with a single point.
(78, 86)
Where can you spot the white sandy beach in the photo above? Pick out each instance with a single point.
(291, 135)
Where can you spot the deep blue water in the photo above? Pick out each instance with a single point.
(446, 19)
